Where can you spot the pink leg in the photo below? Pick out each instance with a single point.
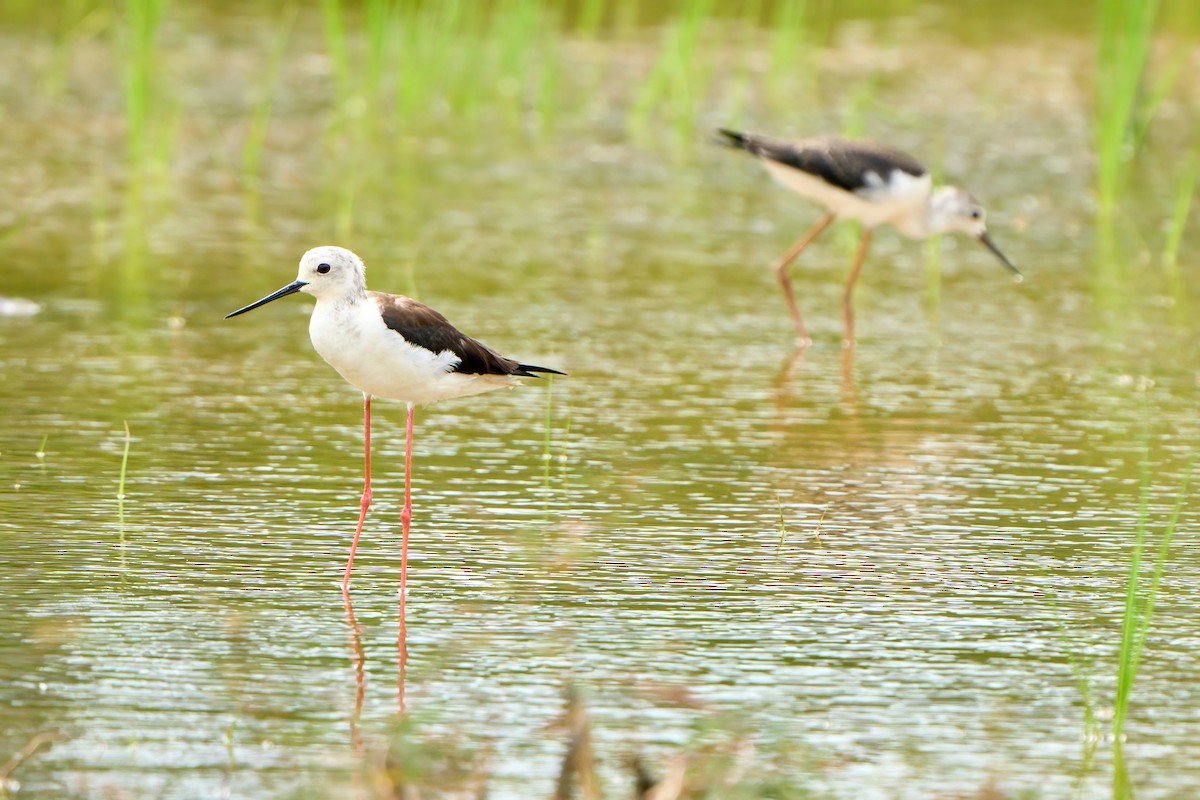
(848, 295)
(405, 519)
(366, 495)
(785, 280)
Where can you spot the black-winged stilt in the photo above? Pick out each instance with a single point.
(868, 182)
(391, 346)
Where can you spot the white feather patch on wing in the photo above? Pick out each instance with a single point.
(900, 187)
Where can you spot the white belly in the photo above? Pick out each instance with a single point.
(354, 340)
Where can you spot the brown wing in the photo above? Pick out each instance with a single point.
(420, 325)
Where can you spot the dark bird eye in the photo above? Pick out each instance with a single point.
(976, 213)
(322, 268)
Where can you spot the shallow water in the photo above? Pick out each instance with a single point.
(958, 503)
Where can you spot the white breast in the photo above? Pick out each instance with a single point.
(354, 340)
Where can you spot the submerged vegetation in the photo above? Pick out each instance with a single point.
(725, 756)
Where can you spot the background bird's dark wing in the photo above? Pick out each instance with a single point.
(839, 162)
(422, 326)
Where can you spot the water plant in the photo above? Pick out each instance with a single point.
(790, 36)
(121, 485)
(77, 21)
(337, 47)
(441, 50)
(1142, 586)
(377, 27)
(260, 116)
(1125, 34)
(147, 133)
(679, 78)
(1139, 605)
(1136, 622)
(1184, 191)
(423, 39)
(589, 18)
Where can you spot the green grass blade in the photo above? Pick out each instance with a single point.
(260, 119)
(1160, 561)
(1131, 619)
(1184, 192)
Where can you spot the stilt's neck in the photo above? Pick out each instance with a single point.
(343, 301)
(952, 209)
(919, 222)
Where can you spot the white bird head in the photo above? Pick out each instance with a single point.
(952, 209)
(331, 272)
(325, 272)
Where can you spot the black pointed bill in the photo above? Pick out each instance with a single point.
(291, 288)
(990, 245)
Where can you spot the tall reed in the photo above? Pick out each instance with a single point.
(1125, 35)
(138, 30)
(260, 117)
(377, 26)
(589, 18)
(443, 51)
(423, 37)
(673, 92)
(1185, 190)
(77, 21)
(338, 48)
(787, 75)
(516, 25)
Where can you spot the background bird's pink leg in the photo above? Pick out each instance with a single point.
(405, 519)
(848, 295)
(366, 495)
(785, 280)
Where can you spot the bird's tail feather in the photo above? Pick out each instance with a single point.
(739, 141)
(531, 371)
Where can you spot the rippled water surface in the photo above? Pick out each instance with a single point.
(902, 566)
